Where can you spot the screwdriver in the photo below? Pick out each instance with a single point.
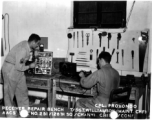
(91, 55)
(77, 39)
(82, 38)
(72, 54)
(87, 35)
(104, 49)
(100, 36)
(132, 53)
(109, 38)
(118, 39)
(113, 51)
(122, 57)
(97, 53)
(117, 57)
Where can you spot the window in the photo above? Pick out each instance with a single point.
(100, 14)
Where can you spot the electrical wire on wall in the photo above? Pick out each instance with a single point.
(2, 49)
(129, 15)
(68, 47)
(6, 14)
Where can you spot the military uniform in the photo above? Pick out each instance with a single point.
(13, 74)
(106, 79)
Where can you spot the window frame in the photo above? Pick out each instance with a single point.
(99, 23)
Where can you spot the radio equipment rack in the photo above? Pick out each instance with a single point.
(44, 63)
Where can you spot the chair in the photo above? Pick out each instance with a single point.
(118, 97)
(119, 101)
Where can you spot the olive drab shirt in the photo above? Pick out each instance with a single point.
(14, 62)
(106, 79)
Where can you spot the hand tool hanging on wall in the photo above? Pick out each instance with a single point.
(82, 53)
(83, 65)
(132, 54)
(117, 57)
(109, 38)
(72, 54)
(100, 37)
(91, 54)
(104, 49)
(82, 38)
(97, 58)
(73, 39)
(82, 60)
(97, 53)
(143, 49)
(113, 51)
(87, 35)
(122, 57)
(77, 39)
(118, 39)
(133, 39)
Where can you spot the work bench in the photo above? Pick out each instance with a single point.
(40, 82)
(70, 86)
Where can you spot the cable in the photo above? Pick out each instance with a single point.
(60, 85)
(84, 92)
(67, 50)
(130, 14)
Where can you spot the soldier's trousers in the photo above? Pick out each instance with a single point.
(14, 85)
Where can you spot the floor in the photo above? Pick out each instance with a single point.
(62, 110)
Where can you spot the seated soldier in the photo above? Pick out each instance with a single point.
(106, 78)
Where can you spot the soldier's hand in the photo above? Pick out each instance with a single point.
(32, 65)
(36, 53)
(81, 74)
